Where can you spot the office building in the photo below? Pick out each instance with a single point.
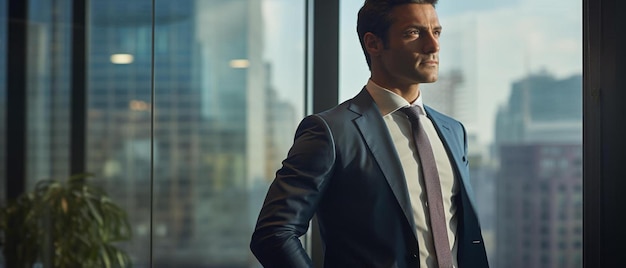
(539, 181)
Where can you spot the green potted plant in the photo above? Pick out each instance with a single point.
(64, 224)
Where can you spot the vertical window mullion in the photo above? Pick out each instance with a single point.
(78, 93)
(16, 98)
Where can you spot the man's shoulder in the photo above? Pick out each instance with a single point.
(332, 117)
(339, 116)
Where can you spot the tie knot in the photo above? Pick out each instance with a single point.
(412, 113)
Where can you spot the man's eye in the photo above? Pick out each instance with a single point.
(437, 33)
(413, 32)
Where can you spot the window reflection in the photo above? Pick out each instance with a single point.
(228, 90)
(48, 90)
(119, 115)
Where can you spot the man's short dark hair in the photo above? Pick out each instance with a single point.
(374, 17)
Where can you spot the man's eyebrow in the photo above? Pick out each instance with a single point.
(423, 27)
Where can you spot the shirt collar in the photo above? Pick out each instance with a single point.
(389, 102)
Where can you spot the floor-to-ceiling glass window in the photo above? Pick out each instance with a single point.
(511, 71)
(207, 136)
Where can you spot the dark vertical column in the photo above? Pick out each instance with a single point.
(16, 98)
(604, 142)
(592, 155)
(325, 54)
(78, 110)
(613, 139)
(325, 81)
(16, 110)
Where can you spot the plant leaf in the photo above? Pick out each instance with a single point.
(105, 257)
(94, 211)
(64, 205)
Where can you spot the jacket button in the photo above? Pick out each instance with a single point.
(414, 256)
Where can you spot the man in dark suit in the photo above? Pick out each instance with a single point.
(360, 168)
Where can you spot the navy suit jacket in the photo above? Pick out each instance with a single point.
(344, 168)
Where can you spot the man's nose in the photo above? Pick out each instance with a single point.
(430, 43)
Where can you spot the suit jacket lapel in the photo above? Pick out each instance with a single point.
(455, 149)
(374, 132)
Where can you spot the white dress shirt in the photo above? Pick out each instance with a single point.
(399, 128)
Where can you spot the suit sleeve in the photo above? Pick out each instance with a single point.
(293, 197)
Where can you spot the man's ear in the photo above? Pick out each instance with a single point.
(373, 44)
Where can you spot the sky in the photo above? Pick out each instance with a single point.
(513, 38)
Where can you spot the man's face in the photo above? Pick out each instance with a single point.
(411, 54)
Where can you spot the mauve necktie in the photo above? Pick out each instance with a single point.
(433, 189)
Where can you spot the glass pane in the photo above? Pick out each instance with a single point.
(228, 85)
(48, 90)
(119, 98)
(229, 79)
(511, 71)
